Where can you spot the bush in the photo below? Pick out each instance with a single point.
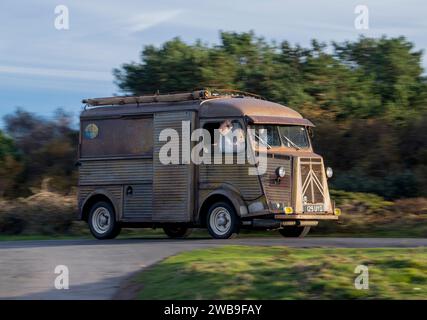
(44, 213)
(365, 214)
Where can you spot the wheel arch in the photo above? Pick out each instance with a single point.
(225, 194)
(94, 197)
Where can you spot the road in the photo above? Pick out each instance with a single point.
(97, 268)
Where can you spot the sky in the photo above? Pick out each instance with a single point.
(43, 68)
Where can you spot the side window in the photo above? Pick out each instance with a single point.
(211, 127)
(117, 137)
(226, 136)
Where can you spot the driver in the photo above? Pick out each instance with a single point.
(231, 138)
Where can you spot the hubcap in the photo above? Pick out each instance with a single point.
(220, 220)
(101, 220)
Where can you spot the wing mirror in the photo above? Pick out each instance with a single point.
(310, 132)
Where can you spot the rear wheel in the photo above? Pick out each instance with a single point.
(177, 231)
(294, 232)
(102, 221)
(222, 221)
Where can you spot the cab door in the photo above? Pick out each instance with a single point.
(173, 183)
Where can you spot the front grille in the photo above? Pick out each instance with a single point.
(312, 181)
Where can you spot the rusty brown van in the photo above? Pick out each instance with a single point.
(124, 183)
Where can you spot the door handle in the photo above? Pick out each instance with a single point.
(129, 191)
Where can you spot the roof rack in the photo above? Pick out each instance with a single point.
(202, 94)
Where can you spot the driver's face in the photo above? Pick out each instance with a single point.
(225, 127)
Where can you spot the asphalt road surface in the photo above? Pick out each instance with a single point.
(97, 268)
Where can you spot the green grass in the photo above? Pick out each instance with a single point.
(241, 272)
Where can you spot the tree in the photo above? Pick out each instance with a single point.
(10, 164)
(393, 64)
(175, 66)
(48, 149)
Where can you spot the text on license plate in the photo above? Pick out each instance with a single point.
(313, 208)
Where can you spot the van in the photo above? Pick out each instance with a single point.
(216, 159)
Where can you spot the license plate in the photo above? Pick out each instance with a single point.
(313, 208)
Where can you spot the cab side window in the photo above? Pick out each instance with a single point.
(226, 136)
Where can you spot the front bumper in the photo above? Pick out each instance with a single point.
(276, 221)
(306, 217)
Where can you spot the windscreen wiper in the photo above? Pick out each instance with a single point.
(291, 142)
(262, 140)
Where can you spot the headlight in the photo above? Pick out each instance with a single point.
(329, 172)
(280, 172)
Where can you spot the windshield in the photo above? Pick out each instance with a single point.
(284, 135)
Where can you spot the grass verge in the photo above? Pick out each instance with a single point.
(242, 272)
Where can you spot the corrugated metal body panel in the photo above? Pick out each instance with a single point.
(107, 172)
(138, 203)
(236, 175)
(114, 191)
(278, 191)
(202, 195)
(172, 183)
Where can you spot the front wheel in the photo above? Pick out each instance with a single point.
(222, 221)
(175, 232)
(102, 221)
(294, 232)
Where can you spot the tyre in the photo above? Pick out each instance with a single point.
(102, 221)
(222, 221)
(294, 232)
(176, 232)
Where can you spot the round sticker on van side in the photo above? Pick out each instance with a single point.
(91, 131)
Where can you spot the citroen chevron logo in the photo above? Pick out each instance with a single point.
(312, 181)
